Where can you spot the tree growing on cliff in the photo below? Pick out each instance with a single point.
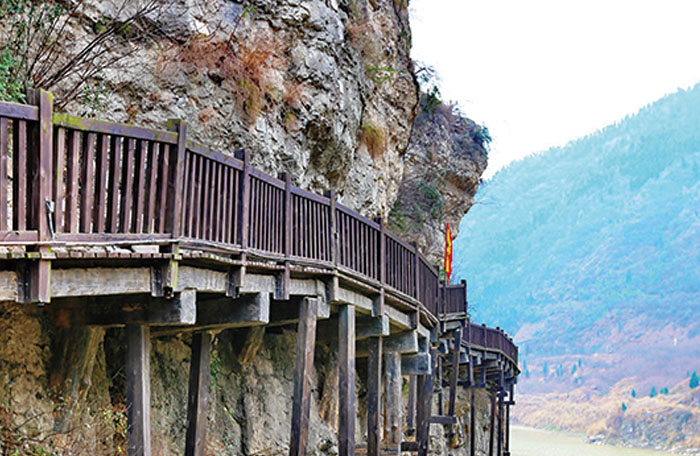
(36, 46)
(694, 380)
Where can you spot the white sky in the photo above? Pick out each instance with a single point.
(539, 73)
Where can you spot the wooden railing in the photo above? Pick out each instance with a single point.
(122, 182)
(455, 298)
(493, 338)
(109, 182)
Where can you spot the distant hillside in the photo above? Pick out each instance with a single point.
(590, 253)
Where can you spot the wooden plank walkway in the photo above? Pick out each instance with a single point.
(118, 225)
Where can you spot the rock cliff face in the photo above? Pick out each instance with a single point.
(443, 164)
(321, 89)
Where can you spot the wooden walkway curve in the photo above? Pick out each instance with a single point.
(116, 225)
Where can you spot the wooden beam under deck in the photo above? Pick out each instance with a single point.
(140, 309)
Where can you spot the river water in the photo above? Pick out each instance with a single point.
(534, 442)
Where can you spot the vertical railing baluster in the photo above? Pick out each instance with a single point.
(174, 205)
(333, 228)
(42, 172)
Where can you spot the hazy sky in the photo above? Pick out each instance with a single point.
(539, 73)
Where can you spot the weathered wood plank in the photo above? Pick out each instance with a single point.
(392, 399)
(416, 364)
(72, 190)
(174, 202)
(138, 390)
(120, 310)
(286, 312)
(248, 310)
(99, 281)
(454, 374)
(492, 424)
(411, 411)
(306, 337)
(87, 183)
(114, 177)
(19, 174)
(424, 412)
(346, 381)
(365, 328)
(101, 167)
(472, 422)
(199, 396)
(374, 386)
(4, 176)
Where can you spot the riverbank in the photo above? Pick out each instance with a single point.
(526, 441)
(668, 419)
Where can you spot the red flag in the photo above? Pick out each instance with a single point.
(448, 253)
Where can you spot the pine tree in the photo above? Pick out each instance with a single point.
(653, 392)
(694, 380)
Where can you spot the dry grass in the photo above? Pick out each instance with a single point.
(246, 66)
(374, 138)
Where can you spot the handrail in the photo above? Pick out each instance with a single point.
(116, 180)
(491, 338)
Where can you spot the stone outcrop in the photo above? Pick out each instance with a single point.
(443, 165)
(323, 90)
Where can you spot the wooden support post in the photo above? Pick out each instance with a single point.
(472, 423)
(176, 188)
(199, 395)
(454, 374)
(412, 391)
(500, 423)
(507, 452)
(346, 381)
(41, 204)
(392, 400)
(306, 342)
(492, 426)
(138, 390)
(425, 395)
(374, 384)
(438, 374)
(470, 370)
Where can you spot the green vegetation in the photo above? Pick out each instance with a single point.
(11, 87)
(694, 380)
(594, 237)
(653, 392)
(33, 52)
(380, 74)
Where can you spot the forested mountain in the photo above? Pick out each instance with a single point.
(593, 248)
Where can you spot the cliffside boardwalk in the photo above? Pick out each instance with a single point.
(114, 225)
